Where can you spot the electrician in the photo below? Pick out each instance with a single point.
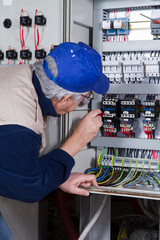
(54, 86)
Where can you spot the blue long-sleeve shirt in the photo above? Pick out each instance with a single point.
(23, 175)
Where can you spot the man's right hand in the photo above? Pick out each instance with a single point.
(84, 132)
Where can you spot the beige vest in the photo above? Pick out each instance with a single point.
(19, 100)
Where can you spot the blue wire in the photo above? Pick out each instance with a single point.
(145, 180)
(103, 174)
(131, 185)
(92, 169)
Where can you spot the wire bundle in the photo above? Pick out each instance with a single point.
(128, 172)
(127, 131)
(109, 132)
(149, 132)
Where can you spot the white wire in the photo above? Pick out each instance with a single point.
(94, 219)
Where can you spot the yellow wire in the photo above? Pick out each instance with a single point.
(100, 171)
(156, 179)
(112, 161)
(108, 178)
(143, 163)
(121, 172)
(138, 178)
(150, 162)
(116, 152)
(99, 157)
(130, 162)
(123, 161)
(91, 172)
(128, 179)
(119, 177)
(158, 166)
(128, 172)
(137, 162)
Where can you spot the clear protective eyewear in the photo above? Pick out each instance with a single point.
(87, 98)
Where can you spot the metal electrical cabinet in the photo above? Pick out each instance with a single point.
(35, 27)
(126, 34)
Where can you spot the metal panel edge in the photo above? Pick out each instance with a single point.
(133, 143)
(137, 45)
(112, 4)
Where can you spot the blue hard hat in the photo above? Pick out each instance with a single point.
(79, 68)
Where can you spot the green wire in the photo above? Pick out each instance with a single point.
(156, 179)
(108, 178)
(121, 172)
(104, 151)
(127, 174)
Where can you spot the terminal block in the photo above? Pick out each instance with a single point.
(152, 67)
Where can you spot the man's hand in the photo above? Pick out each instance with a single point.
(78, 179)
(84, 132)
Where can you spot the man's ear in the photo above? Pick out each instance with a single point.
(66, 99)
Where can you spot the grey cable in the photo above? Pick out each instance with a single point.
(94, 219)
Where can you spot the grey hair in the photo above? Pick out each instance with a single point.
(49, 88)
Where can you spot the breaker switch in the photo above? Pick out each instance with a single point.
(11, 54)
(40, 54)
(1, 55)
(40, 20)
(25, 21)
(7, 23)
(25, 54)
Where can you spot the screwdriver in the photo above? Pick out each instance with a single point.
(154, 20)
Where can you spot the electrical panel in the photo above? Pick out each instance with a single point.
(29, 29)
(127, 34)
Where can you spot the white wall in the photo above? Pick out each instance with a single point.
(51, 33)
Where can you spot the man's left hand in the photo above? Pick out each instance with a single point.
(78, 179)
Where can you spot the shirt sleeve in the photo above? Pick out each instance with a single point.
(23, 175)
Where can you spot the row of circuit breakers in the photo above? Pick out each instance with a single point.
(26, 22)
(131, 67)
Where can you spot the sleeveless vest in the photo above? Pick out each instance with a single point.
(19, 100)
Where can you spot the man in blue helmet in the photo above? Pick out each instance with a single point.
(54, 86)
